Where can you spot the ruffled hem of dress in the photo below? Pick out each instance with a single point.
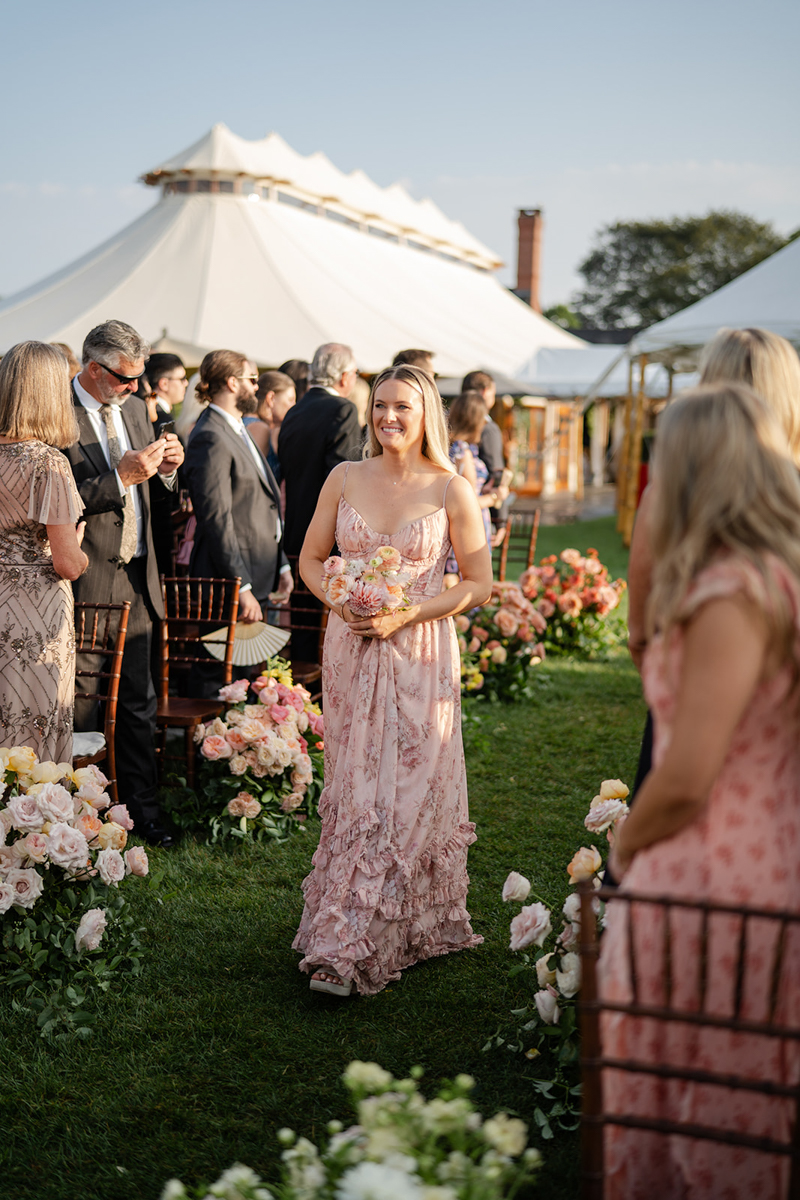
(372, 968)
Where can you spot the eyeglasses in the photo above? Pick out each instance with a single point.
(252, 378)
(121, 378)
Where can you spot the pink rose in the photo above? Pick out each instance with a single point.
(294, 701)
(604, 813)
(120, 816)
(492, 645)
(215, 747)
(92, 793)
(234, 693)
(55, 802)
(27, 885)
(530, 583)
(279, 713)
(6, 896)
(538, 623)
(67, 846)
(474, 646)
(525, 633)
(546, 608)
(136, 861)
(110, 867)
(26, 816)
(90, 931)
(236, 739)
(333, 565)
(585, 863)
(35, 845)
(530, 927)
(483, 664)
(268, 695)
(317, 724)
(516, 888)
(480, 633)
(569, 603)
(547, 1005)
(462, 623)
(506, 621)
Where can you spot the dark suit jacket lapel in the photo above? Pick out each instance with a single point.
(242, 452)
(91, 449)
(270, 485)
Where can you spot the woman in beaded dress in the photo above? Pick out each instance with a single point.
(389, 883)
(39, 551)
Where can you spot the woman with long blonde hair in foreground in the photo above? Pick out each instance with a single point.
(718, 817)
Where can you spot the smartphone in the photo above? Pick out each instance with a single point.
(167, 427)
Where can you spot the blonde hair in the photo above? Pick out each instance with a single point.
(35, 395)
(766, 363)
(435, 440)
(724, 483)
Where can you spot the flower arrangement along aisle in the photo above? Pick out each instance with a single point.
(572, 592)
(499, 645)
(401, 1148)
(63, 923)
(260, 771)
(552, 965)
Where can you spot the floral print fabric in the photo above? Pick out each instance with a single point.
(37, 639)
(389, 883)
(745, 850)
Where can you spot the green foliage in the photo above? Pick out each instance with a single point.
(640, 272)
(563, 315)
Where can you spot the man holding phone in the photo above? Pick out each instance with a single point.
(114, 457)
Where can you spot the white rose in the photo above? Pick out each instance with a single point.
(367, 1075)
(530, 927)
(506, 1134)
(6, 896)
(90, 930)
(516, 887)
(572, 907)
(110, 866)
(55, 802)
(376, 1181)
(568, 978)
(67, 846)
(604, 813)
(544, 973)
(547, 1006)
(25, 814)
(6, 824)
(26, 885)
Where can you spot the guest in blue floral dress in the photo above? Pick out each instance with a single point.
(467, 418)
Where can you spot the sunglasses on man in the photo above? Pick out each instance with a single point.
(121, 378)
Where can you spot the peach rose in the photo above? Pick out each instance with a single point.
(525, 633)
(291, 802)
(236, 739)
(483, 664)
(613, 789)
(136, 861)
(89, 775)
(339, 588)
(569, 603)
(506, 621)
(215, 747)
(462, 623)
(474, 646)
(585, 863)
(34, 847)
(480, 633)
(89, 825)
(545, 608)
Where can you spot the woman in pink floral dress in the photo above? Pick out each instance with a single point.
(389, 883)
(718, 818)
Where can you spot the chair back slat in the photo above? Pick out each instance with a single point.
(518, 547)
(743, 926)
(193, 606)
(90, 638)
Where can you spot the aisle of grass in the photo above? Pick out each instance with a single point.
(221, 1043)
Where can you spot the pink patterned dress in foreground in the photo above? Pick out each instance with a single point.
(744, 850)
(389, 884)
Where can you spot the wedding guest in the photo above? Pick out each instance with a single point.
(491, 442)
(69, 354)
(275, 395)
(389, 884)
(718, 815)
(415, 358)
(166, 377)
(40, 551)
(297, 369)
(770, 365)
(113, 459)
(168, 381)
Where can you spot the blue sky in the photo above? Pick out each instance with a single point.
(593, 111)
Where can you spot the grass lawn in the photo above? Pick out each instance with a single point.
(220, 1043)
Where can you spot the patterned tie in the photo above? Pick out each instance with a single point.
(130, 537)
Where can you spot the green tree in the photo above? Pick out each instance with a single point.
(562, 314)
(640, 272)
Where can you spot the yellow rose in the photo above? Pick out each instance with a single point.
(5, 754)
(49, 772)
(586, 862)
(112, 836)
(21, 759)
(613, 789)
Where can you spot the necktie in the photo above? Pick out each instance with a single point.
(130, 537)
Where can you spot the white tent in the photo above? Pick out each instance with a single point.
(572, 371)
(257, 248)
(767, 296)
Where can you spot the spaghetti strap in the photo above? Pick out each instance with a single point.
(344, 481)
(444, 493)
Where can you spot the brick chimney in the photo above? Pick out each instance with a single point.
(529, 256)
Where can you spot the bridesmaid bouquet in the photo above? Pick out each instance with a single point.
(369, 588)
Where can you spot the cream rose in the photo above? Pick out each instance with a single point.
(291, 802)
(604, 813)
(112, 836)
(55, 803)
(508, 1135)
(585, 862)
(499, 655)
(22, 760)
(6, 896)
(237, 764)
(90, 931)
(136, 861)
(90, 774)
(516, 887)
(218, 727)
(48, 772)
(530, 927)
(613, 789)
(546, 1003)
(572, 907)
(67, 846)
(568, 976)
(544, 973)
(110, 866)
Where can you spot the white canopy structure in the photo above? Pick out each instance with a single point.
(767, 297)
(571, 372)
(257, 248)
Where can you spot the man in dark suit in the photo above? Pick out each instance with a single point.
(234, 496)
(490, 448)
(111, 462)
(321, 431)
